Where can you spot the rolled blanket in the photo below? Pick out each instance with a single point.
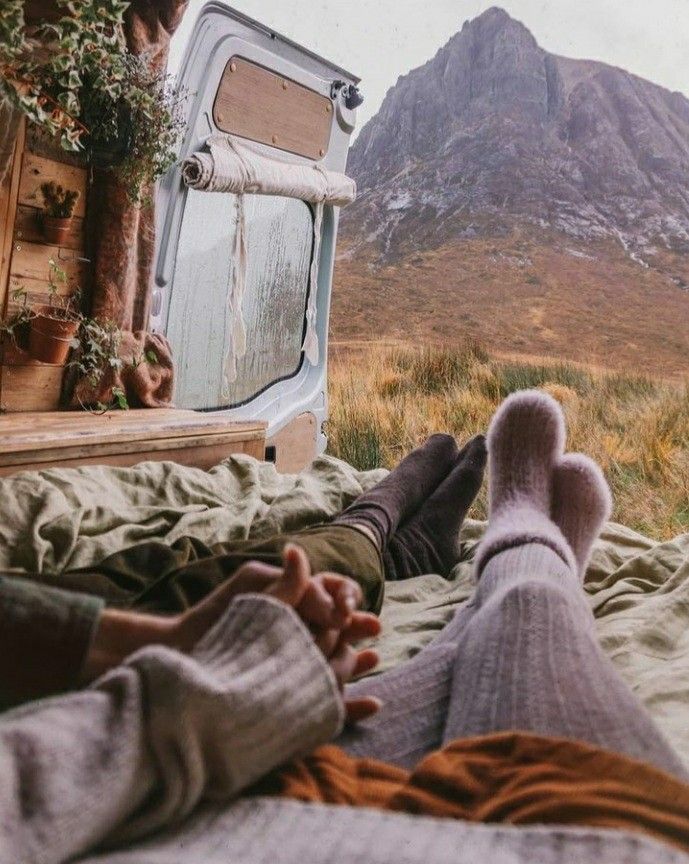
(230, 166)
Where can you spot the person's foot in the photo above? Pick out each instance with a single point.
(538, 494)
(526, 437)
(428, 541)
(581, 504)
(382, 509)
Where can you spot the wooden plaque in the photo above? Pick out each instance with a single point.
(255, 103)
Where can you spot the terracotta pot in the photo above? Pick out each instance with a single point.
(49, 337)
(56, 229)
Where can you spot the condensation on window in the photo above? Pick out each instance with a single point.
(279, 234)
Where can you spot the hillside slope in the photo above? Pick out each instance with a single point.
(538, 202)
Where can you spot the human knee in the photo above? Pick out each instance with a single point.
(547, 590)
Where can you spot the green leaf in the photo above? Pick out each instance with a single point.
(120, 398)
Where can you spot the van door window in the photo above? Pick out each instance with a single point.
(279, 235)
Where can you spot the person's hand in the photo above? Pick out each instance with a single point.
(327, 603)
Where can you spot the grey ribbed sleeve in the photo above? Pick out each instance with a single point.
(148, 741)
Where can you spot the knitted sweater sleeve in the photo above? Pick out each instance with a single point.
(143, 745)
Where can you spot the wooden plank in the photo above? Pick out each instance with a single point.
(27, 228)
(31, 387)
(69, 439)
(255, 103)
(38, 169)
(66, 429)
(7, 213)
(149, 446)
(295, 444)
(204, 457)
(30, 267)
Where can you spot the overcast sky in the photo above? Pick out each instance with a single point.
(382, 39)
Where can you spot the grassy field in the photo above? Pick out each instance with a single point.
(384, 401)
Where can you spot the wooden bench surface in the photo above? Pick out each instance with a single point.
(33, 440)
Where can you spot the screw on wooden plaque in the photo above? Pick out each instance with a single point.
(220, 118)
(328, 108)
(233, 67)
(284, 85)
(274, 139)
(321, 152)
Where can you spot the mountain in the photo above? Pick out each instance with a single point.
(526, 180)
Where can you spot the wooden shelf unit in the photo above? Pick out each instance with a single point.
(26, 384)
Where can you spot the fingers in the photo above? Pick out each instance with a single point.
(361, 708)
(317, 607)
(366, 661)
(363, 625)
(347, 663)
(330, 600)
(251, 578)
(343, 663)
(296, 577)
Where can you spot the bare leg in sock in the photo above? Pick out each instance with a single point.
(415, 514)
(382, 509)
(428, 542)
(526, 653)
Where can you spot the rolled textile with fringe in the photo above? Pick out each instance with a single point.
(229, 165)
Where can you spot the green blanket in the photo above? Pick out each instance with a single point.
(60, 518)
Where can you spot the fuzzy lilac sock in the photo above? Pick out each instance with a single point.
(526, 439)
(581, 504)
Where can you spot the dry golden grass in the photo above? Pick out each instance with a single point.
(385, 401)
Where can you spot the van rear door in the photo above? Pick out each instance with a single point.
(243, 79)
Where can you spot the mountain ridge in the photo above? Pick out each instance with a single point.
(498, 126)
(515, 183)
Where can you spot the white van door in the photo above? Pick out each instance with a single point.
(244, 80)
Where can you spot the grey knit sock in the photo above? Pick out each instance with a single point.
(429, 541)
(528, 660)
(528, 657)
(581, 504)
(525, 441)
(382, 509)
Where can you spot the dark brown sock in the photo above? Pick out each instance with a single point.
(428, 541)
(387, 505)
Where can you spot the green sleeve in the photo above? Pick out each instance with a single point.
(45, 635)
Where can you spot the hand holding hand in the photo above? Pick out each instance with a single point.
(327, 604)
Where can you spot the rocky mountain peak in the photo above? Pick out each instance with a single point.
(495, 129)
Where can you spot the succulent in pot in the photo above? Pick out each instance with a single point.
(53, 327)
(58, 211)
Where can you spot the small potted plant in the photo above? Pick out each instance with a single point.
(53, 327)
(58, 210)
